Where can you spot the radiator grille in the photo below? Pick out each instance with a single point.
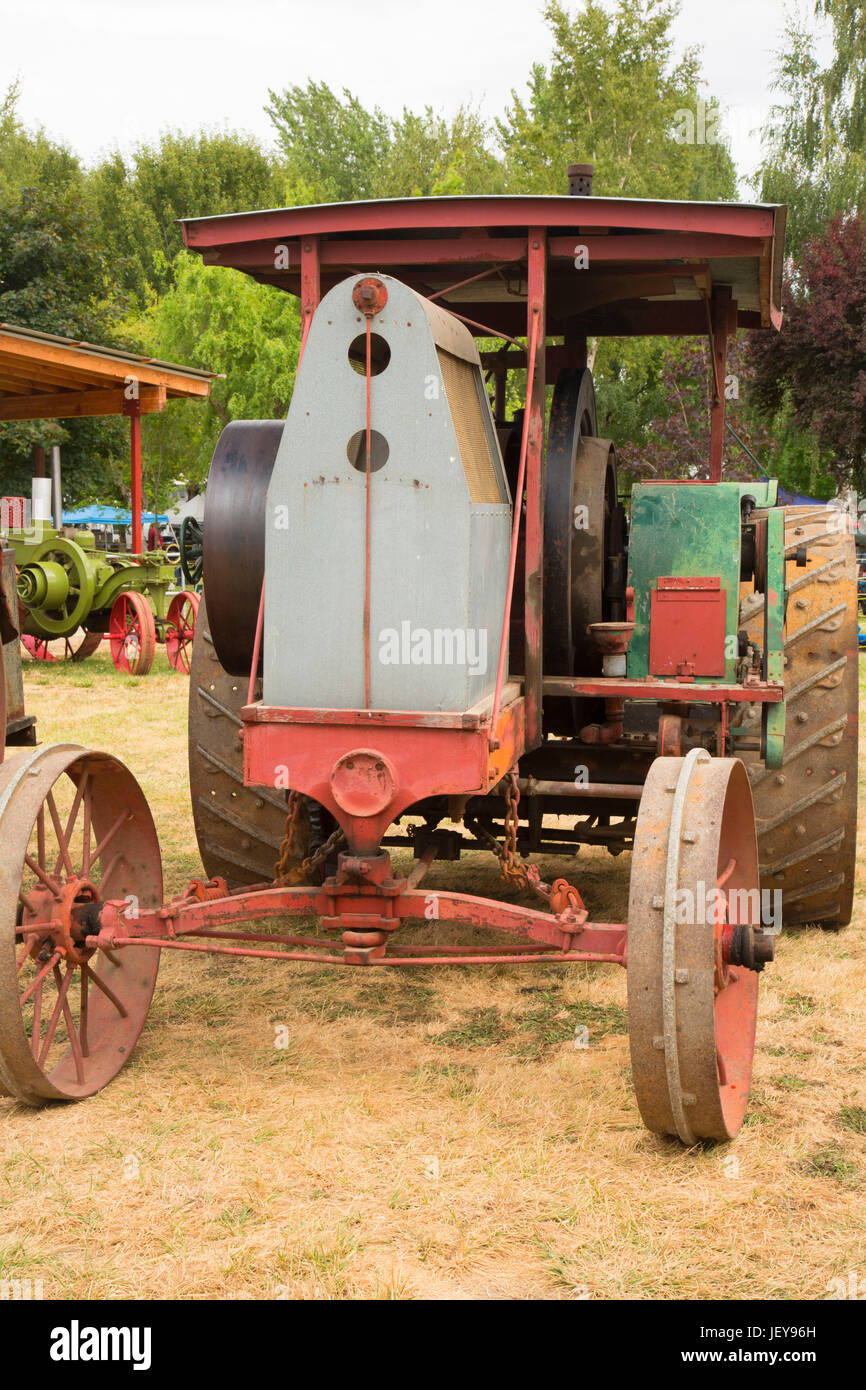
(463, 386)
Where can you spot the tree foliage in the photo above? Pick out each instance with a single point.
(54, 277)
(815, 139)
(611, 96)
(224, 322)
(816, 368)
(138, 201)
(335, 150)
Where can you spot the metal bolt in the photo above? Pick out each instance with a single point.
(659, 1044)
(681, 976)
(658, 901)
(689, 837)
(689, 1099)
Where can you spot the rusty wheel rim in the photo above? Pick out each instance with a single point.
(132, 634)
(182, 615)
(75, 829)
(692, 1017)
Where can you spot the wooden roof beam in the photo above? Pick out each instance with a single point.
(77, 404)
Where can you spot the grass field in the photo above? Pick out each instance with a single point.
(437, 1135)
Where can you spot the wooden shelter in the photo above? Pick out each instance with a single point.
(44, 377)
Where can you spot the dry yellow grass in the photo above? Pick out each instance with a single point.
(437, 1135)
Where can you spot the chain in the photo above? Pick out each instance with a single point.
(285, 873)
(523, 875)
(562, 895)
(287, 848)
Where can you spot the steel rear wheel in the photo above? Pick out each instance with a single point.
(807, 809)
(76, 830)
(182, 615)
(132, 634)
(239, 828)
(692, 1016)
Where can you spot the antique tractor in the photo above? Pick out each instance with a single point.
(18, 727)
(67, 585)
(432, 627)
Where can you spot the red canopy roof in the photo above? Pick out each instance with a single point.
(650, 265)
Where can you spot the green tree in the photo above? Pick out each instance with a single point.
(138, 202)
(335, 150)
(28, 159)
(815, 139)
(53, 277)
(613, 96)
(225, 322)
(331, 145)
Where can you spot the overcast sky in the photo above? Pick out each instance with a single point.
(99, 74)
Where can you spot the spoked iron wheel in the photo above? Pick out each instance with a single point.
(132, 634)
(191, 549)
(75, 830)
(692, 1002)
(182, 615)
(72, 650)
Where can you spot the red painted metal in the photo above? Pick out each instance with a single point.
(311, 283)
(337, 904)
(421, 760)
(404, 214)
(182, 615)
(664, 692)
(374, 718)
(368, 515)
(647, 248)
(370, 296)
(719, 322)
(515, 525)
(687, 627)
(674, 238)
(257, 647)
(132, 408)
(536, 305)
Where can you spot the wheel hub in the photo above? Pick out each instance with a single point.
(62, 911)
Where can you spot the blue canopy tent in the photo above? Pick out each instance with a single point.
(99, 515)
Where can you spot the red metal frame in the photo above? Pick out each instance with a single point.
(365, 915)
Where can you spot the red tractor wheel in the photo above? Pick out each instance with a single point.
(182, 615)
(37, 647)
(692, 1001)
(132, 634)
(76, 830)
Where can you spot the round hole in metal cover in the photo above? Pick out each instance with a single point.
(380, 354)
(356, 451)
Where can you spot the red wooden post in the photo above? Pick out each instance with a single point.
(719, 347)
(535, 308)
(133, 410)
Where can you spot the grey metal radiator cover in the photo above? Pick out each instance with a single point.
(439, 561)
